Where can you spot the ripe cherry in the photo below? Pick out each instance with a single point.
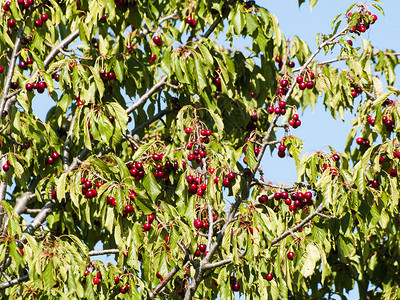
(96, 280)
(44, 17)
(188, 130)
(152, 58)
(284, 83)
(231, 176)
(236, 287)
(11, 23)
(146, 226)
(116, 279)
(302, 85)
(158, 275)
(310, 84)
(226, 182)
(38, 23)
(55, 155)
(290, 255)
(198, 223)
(360, 141)
(129, 208)
(150, 218)
(157, 40)
(393, 172)
(269, 276)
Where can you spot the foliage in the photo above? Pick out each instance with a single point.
(152, 149)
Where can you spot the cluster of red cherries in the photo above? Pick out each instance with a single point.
(295, 201)
(361, 25)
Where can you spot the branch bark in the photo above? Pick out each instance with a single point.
(148, 94)
(10, 71)
(15, 281)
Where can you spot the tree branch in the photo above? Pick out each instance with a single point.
(290, 231)
(53, 53)
(10, 71)
(7, 284)
(159, 115)
(103, 252)
(39, 219)
(147, 95)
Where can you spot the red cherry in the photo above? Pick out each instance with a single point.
(11, 23)
(38, 23)
(302, 85)
(307, 195)
(188, 130)
(150, 218)
(198, 223)
(157, 40)
(96, 280)
(231, 176)
(110, 200)
(269, 276)
(122, 289)
(353, 93)
(29, 87)
(146, 226)
(226, 182)
(202, 248)
(153, 58)
(310, 84)
(299, 79)
(44, 17)
(88, 184)
(236, 287)
(129, 208)
(159, 276)
(55, 155)
(360, 141)
(278, 59)
(290, 255)
(284, 83)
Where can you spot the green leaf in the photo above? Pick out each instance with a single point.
(312, 3)
(200, 76)
(142, 149)
(151, 186)
(312, 256)
(48, 277)
(61, 186)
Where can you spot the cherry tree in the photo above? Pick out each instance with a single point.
(152, 148)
